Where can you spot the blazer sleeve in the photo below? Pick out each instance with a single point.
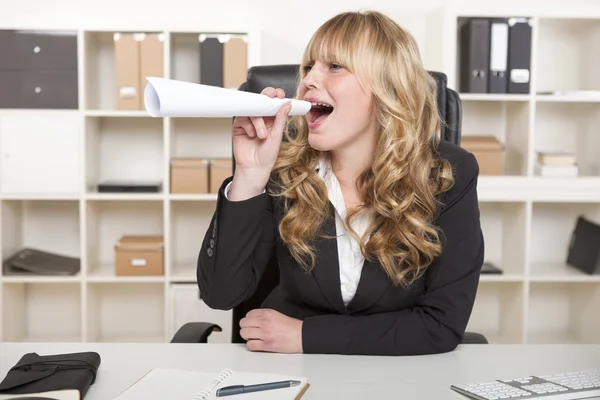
(438, 321)
(236, 250)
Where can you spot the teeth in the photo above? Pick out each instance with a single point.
(314, 103)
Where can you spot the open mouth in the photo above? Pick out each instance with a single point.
(319, 112)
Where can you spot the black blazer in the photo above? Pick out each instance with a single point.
(429, 317)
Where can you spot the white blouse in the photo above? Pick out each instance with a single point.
(349, 255)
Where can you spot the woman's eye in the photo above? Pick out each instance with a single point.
(335, 66)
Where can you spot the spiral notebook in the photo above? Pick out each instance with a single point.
(172, 384)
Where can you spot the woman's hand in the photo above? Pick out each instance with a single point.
(271, 331)
(256, 142)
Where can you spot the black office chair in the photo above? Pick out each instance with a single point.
(285, 77)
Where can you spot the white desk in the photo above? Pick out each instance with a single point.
(330, 376)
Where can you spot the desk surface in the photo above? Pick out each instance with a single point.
(331, 376)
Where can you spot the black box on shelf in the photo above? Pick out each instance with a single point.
(584, 248)
(39, 70)
(127, 186)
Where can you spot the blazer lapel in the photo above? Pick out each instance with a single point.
(327, 269)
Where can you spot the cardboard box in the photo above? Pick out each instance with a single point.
(488, 151)
(127, 71)
(220, 169)
(139, 255)
(189, 175)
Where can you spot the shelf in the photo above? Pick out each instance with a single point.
(571, 127)
(201, 137)
(100, 76)
(126, 149)
(189, 222)
(504, 228)
(126, 312)
(494, 97)
(508, 122)
(564, 313)
(107, 221)
(498, 312)
(569, 46)
(49, 167)
(558, 272)
(185, 56)
(551, 229)
(49, 312)
(46, 225)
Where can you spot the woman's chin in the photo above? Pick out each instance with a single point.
(318, 141)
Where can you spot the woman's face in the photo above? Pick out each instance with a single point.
(342, 114)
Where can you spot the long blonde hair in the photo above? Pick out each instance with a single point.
(400, 187)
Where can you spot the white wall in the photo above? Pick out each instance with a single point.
(285, 25)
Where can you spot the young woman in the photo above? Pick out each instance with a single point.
(372, 218)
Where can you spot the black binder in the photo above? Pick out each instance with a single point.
(519, 55)
(31, 261)
(211, 62)
(584, 248)
(474, 48)
(35, 374)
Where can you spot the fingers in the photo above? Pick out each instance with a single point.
(246, 125)
(257, 345)
(272, 92)
(259, 126)
(280, 122)
(252, 333)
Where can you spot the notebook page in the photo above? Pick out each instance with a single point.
(251, 378)
(161, 384)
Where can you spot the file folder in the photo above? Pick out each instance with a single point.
(474, 48)
(519, 55)
(127, 72)
(211, 61)
(498, 55)
(235, 62)
(151, 59)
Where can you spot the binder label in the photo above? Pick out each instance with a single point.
(519, 75)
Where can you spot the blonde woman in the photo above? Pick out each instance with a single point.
(373, 219)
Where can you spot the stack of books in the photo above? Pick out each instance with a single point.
(557, 164)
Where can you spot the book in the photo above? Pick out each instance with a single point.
(66, 394)
(177, 384)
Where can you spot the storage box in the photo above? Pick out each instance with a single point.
(137, 255)
(220, 169)
(189, 175)
(488, 151)
(127, 71)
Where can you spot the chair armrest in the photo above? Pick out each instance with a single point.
(474, 338)
(195, 332)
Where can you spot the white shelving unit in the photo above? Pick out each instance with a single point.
(528, 219)
(52, 161)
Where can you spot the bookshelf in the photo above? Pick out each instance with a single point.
(58, 208)
(528, 218)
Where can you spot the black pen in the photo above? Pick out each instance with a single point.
(239, 389)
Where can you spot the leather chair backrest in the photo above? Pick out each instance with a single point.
(285, 76)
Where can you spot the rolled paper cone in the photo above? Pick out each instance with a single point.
(172, 98)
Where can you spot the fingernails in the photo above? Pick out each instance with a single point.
(261, 132)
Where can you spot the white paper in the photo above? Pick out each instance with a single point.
(171, 98)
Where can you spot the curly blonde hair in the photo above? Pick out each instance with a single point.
(400, 187)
